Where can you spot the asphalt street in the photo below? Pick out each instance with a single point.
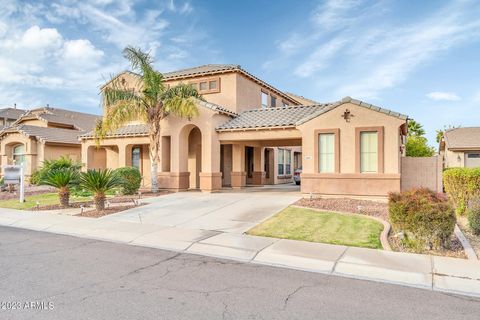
(48, 276)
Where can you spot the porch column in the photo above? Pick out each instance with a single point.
(239, 176)
(178, 177)
(210, 175)
(258, 166)
(122, 155)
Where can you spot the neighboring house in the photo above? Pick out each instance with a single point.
(460, 147)
(44, 134)
(249, 133)
(9, 115)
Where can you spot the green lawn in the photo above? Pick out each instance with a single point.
(314, 226)
(31, 201)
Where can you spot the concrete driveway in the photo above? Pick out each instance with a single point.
(227, 211)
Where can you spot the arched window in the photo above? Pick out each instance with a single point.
(19, 154)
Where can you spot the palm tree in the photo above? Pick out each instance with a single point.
(415, 128)
(151, 103)
(100, 182)
(62, 179)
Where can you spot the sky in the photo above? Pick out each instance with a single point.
(420, 58)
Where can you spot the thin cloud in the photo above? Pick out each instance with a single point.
(443, 96)
(363, 59)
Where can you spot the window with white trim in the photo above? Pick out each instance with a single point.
(369, 152)
(136, 157)
(264, 100)
(281, 163)
(326, 152)
(288, 162)
(18, 154)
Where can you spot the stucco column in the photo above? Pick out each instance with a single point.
(122, 155)
(258, 165)
(210, 175)
(178, 177)
(239, 176)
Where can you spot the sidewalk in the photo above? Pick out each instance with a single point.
(429, 272)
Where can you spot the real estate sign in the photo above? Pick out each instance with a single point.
(14, 175)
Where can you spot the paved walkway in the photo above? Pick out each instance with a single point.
(234, 212)
(423, 271)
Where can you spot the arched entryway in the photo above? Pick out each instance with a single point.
(194, 157)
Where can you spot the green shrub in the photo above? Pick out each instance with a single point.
(461, 185)
(425, 217)
(131, 179)
(473, 213)
(99, 182)
(35, 177)
(52, 165)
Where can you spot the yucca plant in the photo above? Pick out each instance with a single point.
(99, 182)
(62, 179)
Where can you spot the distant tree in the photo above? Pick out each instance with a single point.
(440, 132)
(418, 147)
(417, 144)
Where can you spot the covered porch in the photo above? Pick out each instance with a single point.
(116, 152)
(259, 157)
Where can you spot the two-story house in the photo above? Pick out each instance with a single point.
(249, 132)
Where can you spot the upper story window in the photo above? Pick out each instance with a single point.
(264, 100)
(368, 152)
(273, 102)
(206, 86)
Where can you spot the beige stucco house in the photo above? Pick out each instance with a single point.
(250, 133)
(44, 134)
(460, 147)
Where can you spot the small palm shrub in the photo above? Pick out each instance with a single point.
(49, 165)
(425, 217)
(131, 179)
(473, 214)
(99, 182)
(62, 179)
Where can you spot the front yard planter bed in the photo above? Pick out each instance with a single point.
(474, 240)
(317, 226)
(107, 211)
(366, 207)
(455, 250)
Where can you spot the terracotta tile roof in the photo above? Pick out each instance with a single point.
(292, 116)
(45, 134)
(210, 69)
(271, 117)
(125, 131)
(302, 98)
(11, 113)
(142, 129)
(216, 107)
(79, 120)
(462, 138)
(205, 69)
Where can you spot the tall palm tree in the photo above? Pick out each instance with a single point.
(151, 103)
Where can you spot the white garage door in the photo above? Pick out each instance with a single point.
(472, 159)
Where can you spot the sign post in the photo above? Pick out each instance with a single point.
(22, 185)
